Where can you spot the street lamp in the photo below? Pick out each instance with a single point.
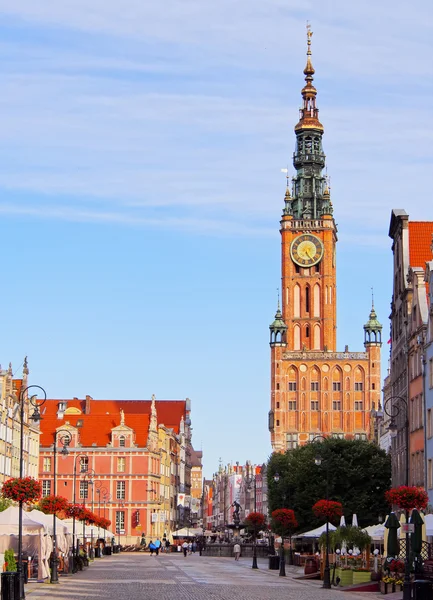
(83, 469)
(64, 437)
(394, 407)
(249, 481)
(35, 417)
(282, 557)
(88, 480)
(327, 571)
(106, 500)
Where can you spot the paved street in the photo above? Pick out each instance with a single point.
(174, 577)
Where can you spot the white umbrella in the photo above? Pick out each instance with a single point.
(343, 544)
(43, 549)
(342, 521)
(355, 524)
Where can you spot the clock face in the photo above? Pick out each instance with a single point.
(306, 250)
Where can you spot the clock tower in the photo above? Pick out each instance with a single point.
(314, 388)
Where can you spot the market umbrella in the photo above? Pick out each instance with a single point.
(416, 537)
(402, 522)
(392, 524)
(355, 524)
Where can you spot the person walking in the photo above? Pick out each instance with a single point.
(157, 546)
(237, 551)
(185, 548)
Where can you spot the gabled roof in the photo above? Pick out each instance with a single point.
(95, 426)
(420, 240)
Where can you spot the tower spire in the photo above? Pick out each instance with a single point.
(309, 113)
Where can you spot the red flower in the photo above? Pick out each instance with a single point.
(256, 521)
(328, 509)
(51, 505)
(284, 521)
(25, 489)
(407, 497)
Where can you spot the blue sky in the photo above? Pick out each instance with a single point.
(141, 147)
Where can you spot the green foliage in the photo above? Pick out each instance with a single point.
(352, 536)
(358, 475)
(5, 503)
(10, 560)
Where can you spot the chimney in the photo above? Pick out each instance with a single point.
(61, 407)
(87, 405)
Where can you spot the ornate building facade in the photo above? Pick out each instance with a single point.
(315, 390)
(11, 391)
(127, 460)
(412, 249)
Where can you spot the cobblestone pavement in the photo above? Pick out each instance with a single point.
(174, 577)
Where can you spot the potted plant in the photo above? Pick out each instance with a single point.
(361, 575)
(22, 489)
(345, 575)
(10, 563)
(407, 497)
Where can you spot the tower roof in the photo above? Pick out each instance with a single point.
(373, 323)
(309, 114)
(278, 322)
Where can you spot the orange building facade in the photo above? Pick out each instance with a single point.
(315, 390)
(127, 460)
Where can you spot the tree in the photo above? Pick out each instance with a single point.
(354, 472)
(5, 503)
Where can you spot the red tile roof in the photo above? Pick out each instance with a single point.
(420, 240)
(105, 414)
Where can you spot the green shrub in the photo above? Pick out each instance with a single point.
(10, 560)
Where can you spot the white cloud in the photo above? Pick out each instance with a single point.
(183, 105)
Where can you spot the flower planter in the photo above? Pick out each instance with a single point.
(345, 575)
(361, 576)
(390, 588)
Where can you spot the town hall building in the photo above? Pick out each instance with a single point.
(315, 390)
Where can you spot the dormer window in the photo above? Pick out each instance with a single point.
(122, 441)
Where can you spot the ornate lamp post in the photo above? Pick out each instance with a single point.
(35, 417)
(327, 572)
(88, 481)
(394, 407)
(106, 500)
(83, 469)
(64, 437)
(282, 557)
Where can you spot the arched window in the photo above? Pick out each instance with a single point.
(297, 337)
(307, 298)
(122, 440)
(316, 342)
(297, 301)
(316, 300)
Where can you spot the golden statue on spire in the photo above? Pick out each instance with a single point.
(309, 36)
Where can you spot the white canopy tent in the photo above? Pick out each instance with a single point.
(187, 532)
(315, 533)
(34, 536)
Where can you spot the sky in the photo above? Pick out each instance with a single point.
(141, 148)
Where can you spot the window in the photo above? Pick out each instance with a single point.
(314, 405)
(373, 386)
(430, 474)
(278, 386)
(84, 464)
(291, 440)
(336, 405)
(84, 490)
(430, 374)
(47, 464)
(46, 487)
(358, 405)
(429, 423)
(120, 491)
(292, 386)
(360, 436)
(292, 404)
(358, 386)
(122, 440)
(307, 299)
(120, 521)
(121, 463)
(314, 386)
(317, 268)
(278, 422)
(336, 386)
(307, 332)
(339, 436)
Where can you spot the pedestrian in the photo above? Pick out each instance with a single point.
(157, 546)
(190, 547)
(167, 545)
(152, 548)
(143, 541)
(237, 551)
(185, 547)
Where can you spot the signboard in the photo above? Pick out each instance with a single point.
(407, 527)
(154, 517)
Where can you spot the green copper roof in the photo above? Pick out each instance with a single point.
(278, 323)
(372, 323)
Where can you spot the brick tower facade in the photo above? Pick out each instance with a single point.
(315, 390)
